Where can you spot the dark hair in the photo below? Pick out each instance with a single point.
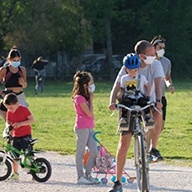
(157, 39)
(10, 99)
(141, 47)
(14, 52)
(80, 79)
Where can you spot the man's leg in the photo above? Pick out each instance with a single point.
(123, 146)
(158, 126)
(155, 154)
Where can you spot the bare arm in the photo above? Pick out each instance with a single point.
(158, 91)
(148, 89)
(2, 75)
(30, 120)
(170, 84)
(23, 80)
(113, 95)
(88, 109)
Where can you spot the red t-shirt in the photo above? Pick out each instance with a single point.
(21, 114)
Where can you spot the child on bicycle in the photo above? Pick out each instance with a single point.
(134, 87)
(82, 95)
(20, 118)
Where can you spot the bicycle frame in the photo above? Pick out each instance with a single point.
(38, 167)
(25, 162)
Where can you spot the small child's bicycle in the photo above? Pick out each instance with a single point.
(38, 167)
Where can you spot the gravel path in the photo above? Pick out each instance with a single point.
(163, 178)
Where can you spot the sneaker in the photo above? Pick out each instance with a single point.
(149, 122)
(94, 180)
(14, 176)
(155, 155)
(123, 124)
(85, 181)
(117, 187)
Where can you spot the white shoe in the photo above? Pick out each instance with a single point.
(94, 180)
(84, 180)
(14, 176)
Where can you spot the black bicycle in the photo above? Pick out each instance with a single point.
(142, 144)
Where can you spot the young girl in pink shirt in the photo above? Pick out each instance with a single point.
(82, 95)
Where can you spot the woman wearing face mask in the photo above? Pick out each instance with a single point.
(14, 77)
(82, 95)
(159, 44)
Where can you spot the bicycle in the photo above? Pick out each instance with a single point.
(141, 143)
(38, 167)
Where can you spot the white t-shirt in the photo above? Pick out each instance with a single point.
(151, 72)
(129, 84)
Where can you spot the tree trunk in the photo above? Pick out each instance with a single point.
(109, 48)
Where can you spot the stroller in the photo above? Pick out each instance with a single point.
(105, 165)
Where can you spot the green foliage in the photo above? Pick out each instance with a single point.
(55, 117)
(45, 27)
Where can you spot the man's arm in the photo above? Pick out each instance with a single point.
(158, 91)
(113, 95)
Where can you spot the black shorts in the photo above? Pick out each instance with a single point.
(20, 143)
(2, 106)
(164, 108)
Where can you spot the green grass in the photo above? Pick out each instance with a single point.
(55, 117)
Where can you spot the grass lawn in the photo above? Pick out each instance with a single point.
(55, 117)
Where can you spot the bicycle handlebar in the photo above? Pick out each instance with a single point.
(136, 108)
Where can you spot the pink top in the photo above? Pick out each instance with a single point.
(82, 120)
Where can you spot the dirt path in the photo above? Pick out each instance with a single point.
(163, 178)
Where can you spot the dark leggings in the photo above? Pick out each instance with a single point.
(164, 103)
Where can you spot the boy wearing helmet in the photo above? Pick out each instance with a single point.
(131, 82)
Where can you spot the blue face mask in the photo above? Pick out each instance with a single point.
(15, 63)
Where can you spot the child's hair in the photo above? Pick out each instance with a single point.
(10, 99)
(80, 79)
(14, 52)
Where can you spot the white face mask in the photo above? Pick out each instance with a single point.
(149, 60)
(160, 53)
(91, 88)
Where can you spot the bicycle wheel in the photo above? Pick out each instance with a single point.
(141, 164)
(5, 169)
(44, 172)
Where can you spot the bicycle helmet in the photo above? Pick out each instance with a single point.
(132, 61)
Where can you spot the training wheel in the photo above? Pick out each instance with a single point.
(104, 180)
(130, 180)
(96, 179)
(123, 179)
(113, 178)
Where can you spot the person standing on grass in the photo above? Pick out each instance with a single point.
(159, 43)
(82, 95)
(20, 118)
(40, 73)
(14, 78)
(153, 72)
